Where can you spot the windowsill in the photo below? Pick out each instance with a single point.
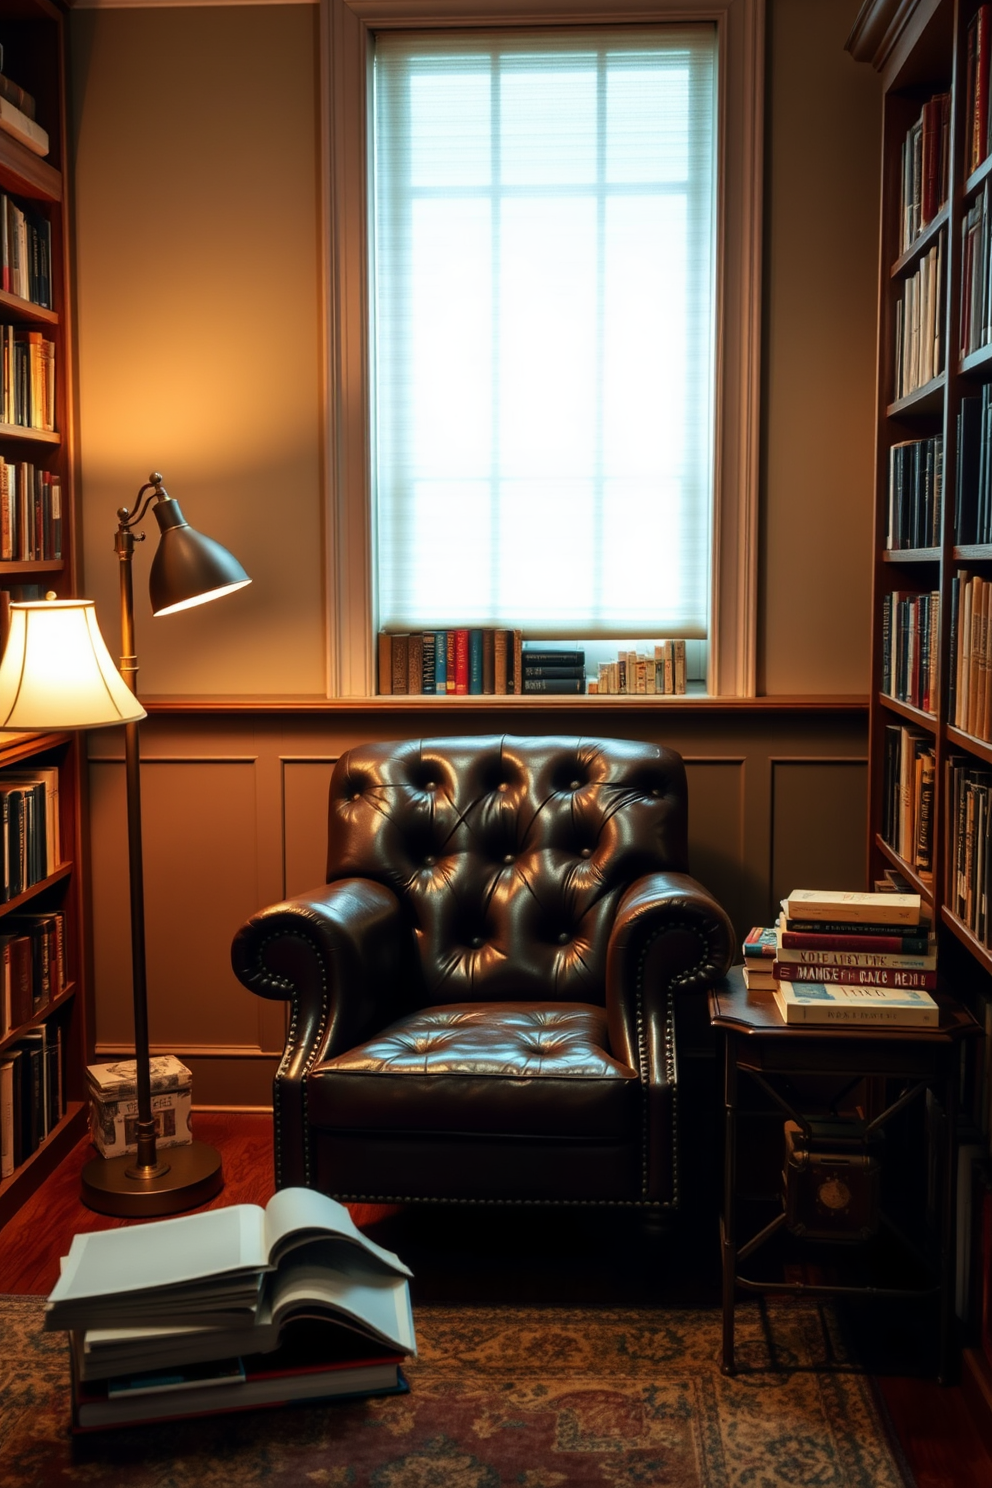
(597, 703)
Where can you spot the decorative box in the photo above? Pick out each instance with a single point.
(113, 1092)
(831, 1180)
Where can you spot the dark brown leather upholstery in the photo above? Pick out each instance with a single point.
(483, 993)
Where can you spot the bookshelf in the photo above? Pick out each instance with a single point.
(32, 34)
(942, 777)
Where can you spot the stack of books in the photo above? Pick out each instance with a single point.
(855, 958)
(229, 1310)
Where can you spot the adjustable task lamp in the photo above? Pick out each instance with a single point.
(56, 673)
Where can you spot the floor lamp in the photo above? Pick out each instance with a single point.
(56, 673)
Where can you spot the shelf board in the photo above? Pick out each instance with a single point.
(912, 555)
(18, 746)
(41, 1016)
(928, 399)
(979, 747)
(972, 553)
(906, 710)
(967, 937)
(13, 305)
(920, 243)
(977, 361)
(978, 176)
(26, 566)
(921, 886)
(29, 436)
(27, 174)
(32, 1172)
(11, 905)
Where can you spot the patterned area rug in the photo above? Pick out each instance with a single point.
(556, 1398)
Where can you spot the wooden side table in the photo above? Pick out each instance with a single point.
(906, 1063)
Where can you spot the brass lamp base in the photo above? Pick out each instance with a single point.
(192, 1176)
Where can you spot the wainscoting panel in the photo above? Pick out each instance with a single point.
(304, 793)
(716, 829)
(235, 817)
(200, 885)
(819, 838)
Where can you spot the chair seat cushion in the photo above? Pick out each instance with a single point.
(521, 1069)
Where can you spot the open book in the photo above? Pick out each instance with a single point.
(225, 1283)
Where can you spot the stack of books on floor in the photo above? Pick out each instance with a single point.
(229, 1310)
(847, 958)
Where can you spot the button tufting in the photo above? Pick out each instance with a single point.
(502, 785)
(429, 861)
(656, 792)
(508, 858)
(476, 942)
(431, 785)
(575, 785)
(586, 852)
(564, 938)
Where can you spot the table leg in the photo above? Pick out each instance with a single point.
(729, 1223)
(945, 1365)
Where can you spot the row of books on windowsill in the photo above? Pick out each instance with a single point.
(474, 661)
(846, 959)
(229, 1310)
(634, 674)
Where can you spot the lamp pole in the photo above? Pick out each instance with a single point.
(148, 1185)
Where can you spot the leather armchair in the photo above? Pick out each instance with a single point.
(482, 996)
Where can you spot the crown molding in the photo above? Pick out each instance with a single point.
(174, 4)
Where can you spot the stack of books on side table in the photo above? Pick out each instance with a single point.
(229, 1310)
(847, 958)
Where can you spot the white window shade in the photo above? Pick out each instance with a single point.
(543, 329)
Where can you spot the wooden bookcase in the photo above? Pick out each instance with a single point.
(32, 34)
(922, 50)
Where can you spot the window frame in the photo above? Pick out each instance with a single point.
(347, 31)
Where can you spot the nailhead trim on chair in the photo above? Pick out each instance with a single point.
(671, 1066)
(286, 985)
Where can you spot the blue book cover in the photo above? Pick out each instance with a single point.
(440, 661)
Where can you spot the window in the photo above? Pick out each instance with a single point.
(455, 447)
(543, 329)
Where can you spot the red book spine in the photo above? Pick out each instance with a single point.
(461, 661)
(856, 976)
(891, 945)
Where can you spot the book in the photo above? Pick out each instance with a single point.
(303, 1369)
(894, 943)
(807, 956)
(815, 1002)
(532, 656)
(225, 1283)
(761, 942)
(831, 906)
(16, 122)
(554, 684)
(759, 976)
(855, 976)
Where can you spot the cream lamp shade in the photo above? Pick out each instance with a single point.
(57, 673)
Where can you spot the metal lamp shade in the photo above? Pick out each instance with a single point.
(57, 673)
(189, 569)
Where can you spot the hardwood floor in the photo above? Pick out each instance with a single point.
(938, 1435)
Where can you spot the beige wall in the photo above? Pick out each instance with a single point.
(197, 280)
(199, 331)
(823, 165)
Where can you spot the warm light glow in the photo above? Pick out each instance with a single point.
(198, 599)
(57, 673)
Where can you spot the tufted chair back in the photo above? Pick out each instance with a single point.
(509, 854)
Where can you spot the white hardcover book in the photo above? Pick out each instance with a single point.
(851, 907)
(845, 1005)
(17, 123)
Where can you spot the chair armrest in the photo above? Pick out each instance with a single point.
(341, 955)
(669, 935)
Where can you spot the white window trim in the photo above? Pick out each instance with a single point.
(347, 27)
